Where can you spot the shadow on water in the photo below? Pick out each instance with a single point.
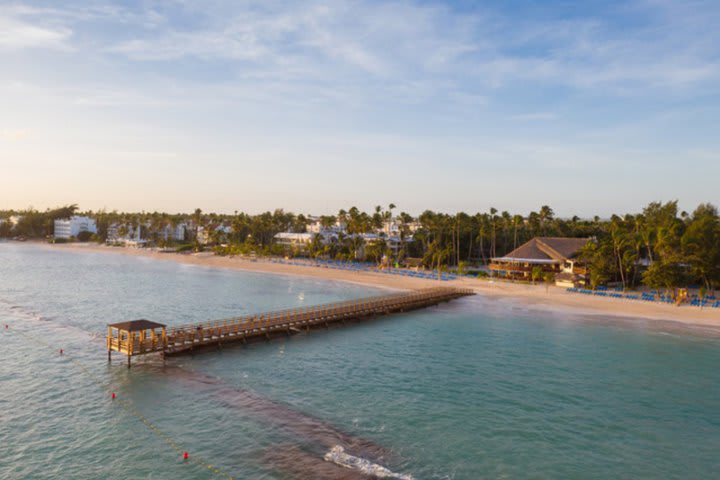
(319, 435)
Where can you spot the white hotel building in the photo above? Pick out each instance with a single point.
(71, 227)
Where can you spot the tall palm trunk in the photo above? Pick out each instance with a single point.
(492, 242)
(470, 245)
(452, 239)
(649, 250)
(620, 265)
(458, 245)
(482, 248)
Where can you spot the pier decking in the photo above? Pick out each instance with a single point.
(140, 337)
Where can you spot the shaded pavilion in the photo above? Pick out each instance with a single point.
(136, 337)
(557, 255)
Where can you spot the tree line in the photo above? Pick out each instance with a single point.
(660, 247)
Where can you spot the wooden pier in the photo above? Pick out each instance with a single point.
(140, 337)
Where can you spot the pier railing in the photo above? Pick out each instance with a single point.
(292, 320)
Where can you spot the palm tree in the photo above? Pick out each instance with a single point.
(483, 232)
(387, 215)
(342, 217)
(197, 218)
(377, 218)
(493, 218)
(327, 221)
(546, 215)
(506, 220)
(516, 220)
(405, 221)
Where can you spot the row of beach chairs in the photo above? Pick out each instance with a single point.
(709, 301)
(353, 266)
(433, 275)
(366, 267)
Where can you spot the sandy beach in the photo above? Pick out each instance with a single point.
(531, 296)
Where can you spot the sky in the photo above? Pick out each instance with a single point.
(591, 107)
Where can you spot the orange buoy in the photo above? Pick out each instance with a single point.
(185, 456)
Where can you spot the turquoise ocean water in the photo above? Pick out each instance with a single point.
(474, 389)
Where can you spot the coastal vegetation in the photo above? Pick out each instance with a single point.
(660, 247)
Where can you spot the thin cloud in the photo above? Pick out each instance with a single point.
(670, 47)
(535, 116)
(16, 34)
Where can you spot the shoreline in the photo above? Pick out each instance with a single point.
(534, 297)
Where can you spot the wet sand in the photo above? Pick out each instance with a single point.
(539, 297)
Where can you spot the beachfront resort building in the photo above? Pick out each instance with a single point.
(138, 235)
(172, 232)
(127, 234)
(556, 255)
(213, 233)
(71, 227)
(390, 235)
(316, 225)
(393, 242)
(296, 241)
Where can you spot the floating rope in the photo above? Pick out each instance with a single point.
(130, 408)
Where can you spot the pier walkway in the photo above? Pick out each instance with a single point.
(140, 337)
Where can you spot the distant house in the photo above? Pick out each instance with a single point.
(391, 228)
(126, 234)
(556, 255)
(213, 233)
(298, 241)
(71, 227)
(315, 225)
(393, 242)
(170, 232)
(202, 235)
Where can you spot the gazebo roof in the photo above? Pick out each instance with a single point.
(136, 325)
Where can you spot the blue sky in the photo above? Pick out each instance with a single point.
(590, 107)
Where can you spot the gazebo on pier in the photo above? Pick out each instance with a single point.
(136, 337)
